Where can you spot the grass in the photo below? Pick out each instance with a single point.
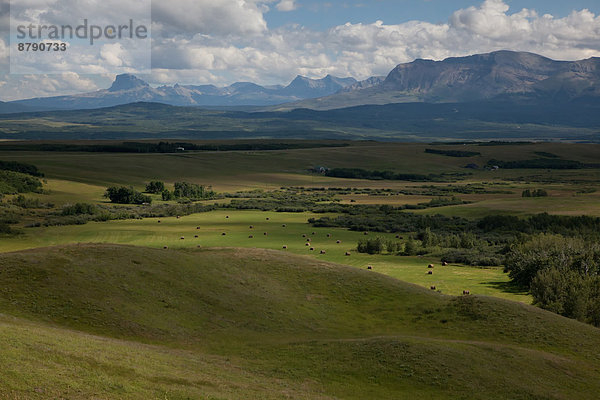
(110, 321)
(452, 279)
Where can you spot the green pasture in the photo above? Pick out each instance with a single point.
(108, 321)
(169, 232)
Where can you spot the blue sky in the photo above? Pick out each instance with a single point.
(271, 41)
(325, 14)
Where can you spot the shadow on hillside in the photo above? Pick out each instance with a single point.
(508, 287)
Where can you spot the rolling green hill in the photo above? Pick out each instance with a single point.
(108, 321)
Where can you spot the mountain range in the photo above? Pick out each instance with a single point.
(500, 75)
(497, 75)
(130, 89)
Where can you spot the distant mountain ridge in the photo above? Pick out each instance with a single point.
(130, 89)
(501, 75)
(478, 77)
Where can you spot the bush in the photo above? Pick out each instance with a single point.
(79, 209)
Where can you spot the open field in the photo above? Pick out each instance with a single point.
(117, 321)
(104, 310)
(149, 233)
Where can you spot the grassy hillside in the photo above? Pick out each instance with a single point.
(231, 323)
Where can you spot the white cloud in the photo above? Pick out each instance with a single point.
(221, 18)
(286, 5)
(203, 41)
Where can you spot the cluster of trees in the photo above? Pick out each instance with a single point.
(539, 163)
(453, 153)
(22, 168)
(181, 191)
(562, 273)
(560, 224)
(534, 193)
(16, 182)
(358, 173)
(126, 195)
(167, 147)
(155, 187)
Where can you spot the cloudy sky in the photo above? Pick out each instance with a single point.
(272, 41)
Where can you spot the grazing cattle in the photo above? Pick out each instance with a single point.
(432, 287)
(159, 221)
(339, 241)
(178, 217)
(322, 251)
(198, 246)
(223, 234)
(197, 227)
(227, 216)
(312, 249)
(166, 247)
(182, 238)
(444, 264)
(196, 236)
(365, 233)
(369, 267)
(251, 237)
(265, 233)
(307, 244)
(430, 266)
(347, 253)
(314, 233)
(283, 226)
(466, 292)
(251, 227)
(267, 218)
(308, 240)
(429, 272)
(285, 247)
(329, 235)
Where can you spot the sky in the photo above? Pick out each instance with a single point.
(271, 41)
